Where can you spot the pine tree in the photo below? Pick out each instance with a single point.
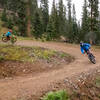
(62, 17)
(21, 20)
(49, 30)
(69, 22)
(37, 29)
(74, 26)
(96, 21)
(4, 15)
(69, 11)
(53, 23)
(33, 10)
(33, 7)
(74, 13)
(93, 5)
(45, 13)
(79, 32)
(3, 3)
(85, 22)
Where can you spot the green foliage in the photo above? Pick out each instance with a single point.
(72, 33)
(94, 14)
(53, 25)
(25, 15)
(1, 58)
(21, 20)
(36, 21)
(44, 37)
(69, 11)
(62, 18)
(43, 54)
(85, 22)
(11, 52)
(15, 15)
(15, 53)
(13, 39)
(44, 14)
(9, 23)
(33, 10)
(49, 30)
(69, 26)
(4, 16)
(15, 32)
(37, 29)
(60, 95)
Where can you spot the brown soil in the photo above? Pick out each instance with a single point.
(10, 69)
(40, 83)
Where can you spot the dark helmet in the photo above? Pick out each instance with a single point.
(81, 43)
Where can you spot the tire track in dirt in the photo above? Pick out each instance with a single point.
(35, 85)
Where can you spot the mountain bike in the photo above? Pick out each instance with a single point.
(13, 38)
(91, 57)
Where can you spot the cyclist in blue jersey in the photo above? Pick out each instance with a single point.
(85, 47)
(8, 34)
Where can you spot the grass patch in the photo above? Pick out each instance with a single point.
(1, 58)
(62, 55)
(18, 60)
(60, 95)
(12, 53)
(97, 81)
(31, 54)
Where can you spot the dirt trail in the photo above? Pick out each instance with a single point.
(24, 86)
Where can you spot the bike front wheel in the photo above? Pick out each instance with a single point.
(92, 58)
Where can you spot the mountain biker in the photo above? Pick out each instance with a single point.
(85, 47)
(8, 34)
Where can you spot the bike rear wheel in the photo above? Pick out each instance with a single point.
(92, 58)
(4, 39)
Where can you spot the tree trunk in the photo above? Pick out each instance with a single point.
(91, 41)
(28, 19)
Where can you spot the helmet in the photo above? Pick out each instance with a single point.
(10, 31)
(81, 43)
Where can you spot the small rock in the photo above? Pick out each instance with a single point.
(98, 71)
(32, 55)
(24, 70)
(66, 80)
(10, 78)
